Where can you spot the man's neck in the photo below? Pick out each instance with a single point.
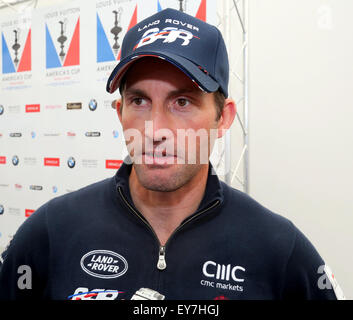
(166, 210)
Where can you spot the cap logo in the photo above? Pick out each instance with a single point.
(189, 43)
(168, 35)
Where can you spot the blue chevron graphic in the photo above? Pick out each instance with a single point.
(104, 50)
(7, 63)
(159, 7)
(52, 58)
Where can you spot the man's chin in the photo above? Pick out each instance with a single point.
(163, 177)
(158, 181)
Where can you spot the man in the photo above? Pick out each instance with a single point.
(165, 226)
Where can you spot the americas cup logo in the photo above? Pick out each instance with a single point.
(61, 51)
(111, 25)
(16, 50)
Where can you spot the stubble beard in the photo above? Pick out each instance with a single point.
(180, 175)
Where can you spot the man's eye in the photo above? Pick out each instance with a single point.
(182, 102)
(139, 101)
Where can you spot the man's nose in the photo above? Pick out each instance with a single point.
(158, 126)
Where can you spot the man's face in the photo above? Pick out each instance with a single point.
(174, 119)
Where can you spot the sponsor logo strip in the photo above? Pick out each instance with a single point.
(32, 107)
(52, 162)
(113, 164)
(29, 212)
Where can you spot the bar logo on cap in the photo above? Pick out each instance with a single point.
(168, 35)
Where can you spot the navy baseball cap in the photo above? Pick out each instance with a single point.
(194, 46)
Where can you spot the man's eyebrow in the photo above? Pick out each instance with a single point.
(173, 93)
(135, 92)
(182, 91)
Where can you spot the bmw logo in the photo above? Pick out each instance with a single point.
(1, 209)
(1, 109)
(92, 105)
(15, 160)
(71, 162)
(115, 133)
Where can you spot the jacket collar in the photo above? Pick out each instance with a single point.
(214, 188)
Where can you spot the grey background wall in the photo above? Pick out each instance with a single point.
(301, 134)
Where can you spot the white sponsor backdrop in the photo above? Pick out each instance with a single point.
(299, 83)
(54, 110)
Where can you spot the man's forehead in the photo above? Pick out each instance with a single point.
(149, 69)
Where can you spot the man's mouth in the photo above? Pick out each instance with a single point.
(160, 157)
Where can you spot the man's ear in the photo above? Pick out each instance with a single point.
(227, 117)
(117, 105)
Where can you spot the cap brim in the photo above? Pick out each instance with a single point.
(200, 77)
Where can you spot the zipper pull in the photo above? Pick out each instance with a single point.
(161, 265)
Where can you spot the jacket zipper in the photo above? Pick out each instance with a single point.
(161, 263)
